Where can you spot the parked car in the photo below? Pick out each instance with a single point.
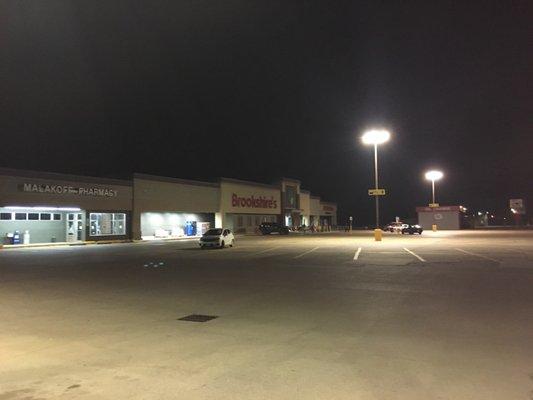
(266, 228)
(396, 226)
(412, 229)
(217, 237)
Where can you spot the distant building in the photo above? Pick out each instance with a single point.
(445, 217)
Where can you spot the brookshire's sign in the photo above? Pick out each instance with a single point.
(65, 190)
(253, 202)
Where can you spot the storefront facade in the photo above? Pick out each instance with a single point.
(245, 205)
(40, 207)
(170, 208)
(328, 214)
(444, 217)
(323, 214)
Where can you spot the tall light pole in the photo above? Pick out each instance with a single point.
(376, 137)
(433, 176)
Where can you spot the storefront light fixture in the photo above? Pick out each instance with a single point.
(43, 208)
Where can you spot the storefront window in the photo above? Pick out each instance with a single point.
(33, 216)
(6, 216)
(290, 197)
(107, 224)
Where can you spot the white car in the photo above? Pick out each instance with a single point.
(217, 237)
(396, 227)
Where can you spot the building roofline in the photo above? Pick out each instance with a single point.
(284, 178)
(242, 182)
(65, 177)
(157, 178)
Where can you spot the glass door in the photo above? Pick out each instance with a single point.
(75, 227)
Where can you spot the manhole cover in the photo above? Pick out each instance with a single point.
(198, 318)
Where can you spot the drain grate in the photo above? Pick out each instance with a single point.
(198, 318)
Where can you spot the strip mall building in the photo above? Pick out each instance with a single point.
(41, 207)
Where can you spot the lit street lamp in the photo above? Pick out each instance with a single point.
(433, 176)
(375, 137)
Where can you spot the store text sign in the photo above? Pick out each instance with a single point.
(253, 201)
(66, 190)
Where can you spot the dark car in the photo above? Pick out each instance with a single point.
(412, 229)
(266, 228)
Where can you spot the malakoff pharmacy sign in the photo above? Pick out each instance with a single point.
(68, 190)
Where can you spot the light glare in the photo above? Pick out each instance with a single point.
(375, 136)
(434, 175)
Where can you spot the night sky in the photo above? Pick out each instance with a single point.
(256, 90)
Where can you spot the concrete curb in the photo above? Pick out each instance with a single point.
(84, 243)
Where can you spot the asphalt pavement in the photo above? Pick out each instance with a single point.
(445, 315)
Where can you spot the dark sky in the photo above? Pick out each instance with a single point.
(261, 89)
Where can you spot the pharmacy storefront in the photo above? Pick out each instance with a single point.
(245, 205)
(53, 208)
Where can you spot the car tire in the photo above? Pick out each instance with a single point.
(222, 244)
(231, 244)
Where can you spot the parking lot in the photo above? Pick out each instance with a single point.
(445, 315)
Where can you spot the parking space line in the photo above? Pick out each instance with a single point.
(356, 255)
(414, 254)
(478, 255)
(264, 251)
(306, 252)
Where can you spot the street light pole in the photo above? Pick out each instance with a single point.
(433, 176)
(376, 137)
(376, 182)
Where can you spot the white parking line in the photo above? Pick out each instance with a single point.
(356, 255)
(306, 252)
(264, 251)
(478, 255)
(414, 254)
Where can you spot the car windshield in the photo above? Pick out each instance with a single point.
(213, 232)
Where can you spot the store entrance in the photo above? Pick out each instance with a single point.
(75, 227)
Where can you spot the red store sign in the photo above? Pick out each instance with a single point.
(253, 202)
